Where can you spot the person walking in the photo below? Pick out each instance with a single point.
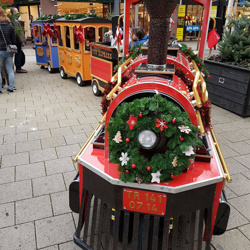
(7, 36)
(20, 42)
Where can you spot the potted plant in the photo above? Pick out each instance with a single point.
(229, 81)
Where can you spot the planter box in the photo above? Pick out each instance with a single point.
(228, 87)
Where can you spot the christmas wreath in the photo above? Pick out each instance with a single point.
(162, 119)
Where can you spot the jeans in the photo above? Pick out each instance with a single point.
(8, 58)
(18, 57)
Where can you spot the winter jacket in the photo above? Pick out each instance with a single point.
(143, 40)
(20, 36)
(9, 34)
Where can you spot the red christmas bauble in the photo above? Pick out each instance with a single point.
(182, 139)
(172, 176)
(148, 168)
(138, 49)
(127, 140)
(127, 171)
(173, 120)
(140, 115)
(133, 166)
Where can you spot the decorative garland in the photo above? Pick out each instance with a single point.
(198, 60)
(80, 15)
(47, 17)
(171, 125)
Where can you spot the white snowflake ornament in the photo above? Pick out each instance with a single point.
(124, 158)
(189, 152)
(184, 129)
(156, 177)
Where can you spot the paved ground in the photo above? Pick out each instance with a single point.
(43, 124)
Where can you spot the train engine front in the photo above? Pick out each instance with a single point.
(150, 174)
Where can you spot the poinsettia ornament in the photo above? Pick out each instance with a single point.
(118, 137)
(132, 121)
(189, 152)
(161, 124)
(184, 129)
(124, 158)
(156, 177)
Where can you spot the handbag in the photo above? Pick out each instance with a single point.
(9, 47)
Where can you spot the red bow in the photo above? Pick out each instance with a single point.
(47, 30)
(79, 34)
(56, 31)
(212, 39)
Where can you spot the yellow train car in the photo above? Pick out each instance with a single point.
(74, 54)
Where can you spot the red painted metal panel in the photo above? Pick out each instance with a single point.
(144, 201)
(101, 69)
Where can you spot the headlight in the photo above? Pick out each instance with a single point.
(147, 139)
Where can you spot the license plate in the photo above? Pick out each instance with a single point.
(144, 201)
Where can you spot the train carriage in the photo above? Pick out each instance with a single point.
(46, 46)
(151, 175)
(74, 45)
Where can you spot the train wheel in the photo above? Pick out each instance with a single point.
(50, 69)
(42, 67)
(95, 88)
(62, 73)
(79, 80)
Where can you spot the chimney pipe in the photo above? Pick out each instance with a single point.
(160, 12)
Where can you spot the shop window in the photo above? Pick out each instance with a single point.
(67, 36)
(89, 34)
(38, 34)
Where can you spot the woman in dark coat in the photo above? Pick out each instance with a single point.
(10, 38)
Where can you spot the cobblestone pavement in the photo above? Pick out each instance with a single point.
(42, 126)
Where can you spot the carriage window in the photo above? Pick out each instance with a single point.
(76, 44)
(53, 38)
(102, 31)
(38, 34)
(60, 35)
(67, 36)
(89, 37)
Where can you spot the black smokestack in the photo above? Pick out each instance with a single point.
(160, 12)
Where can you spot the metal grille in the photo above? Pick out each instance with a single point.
(100, 227)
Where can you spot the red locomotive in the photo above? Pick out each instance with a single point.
(151, 174)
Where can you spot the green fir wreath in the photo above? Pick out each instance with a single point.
(164, 118)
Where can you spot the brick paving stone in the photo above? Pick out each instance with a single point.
(244, 160)
(26, 128)
(21, 237)
(48, 184)
(22, 137)
(68, 246)
(77, 138)
(240, 185)
(42, 155)
(229, 193)
(7, 149)
(6, 215)
(33, 209)
(16, 122)
(7, 115)
(234, 137)
(59, 166)
(56, 117)
(235, 167)
(37, 119)
(15, 159)
(233, 239)
(75, 115)
(82, 129)
(69, 177)
(68, 123)
(28, 146)
(30, 171)
(7, 175)
(68, 104)
(228, 152)
(53, 142)
(48, 125)
(15, 191)
(247, 174)
(88, 119)
(245, 230)
(58, 203)
(61, 132)
(240, 147)
(7, 131)
(25, 114)
(242, 204)
(54, 230)
(62, 110)
(36, 135)
(55, 247)
(69, 150)
(236, 219)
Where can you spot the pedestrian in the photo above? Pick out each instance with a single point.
(139, 37)
(20, 41)
(7, 33)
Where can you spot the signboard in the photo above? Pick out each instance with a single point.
(144, 201)
(179, 34)
(182, 11)
(213, 11)
(192, 28)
